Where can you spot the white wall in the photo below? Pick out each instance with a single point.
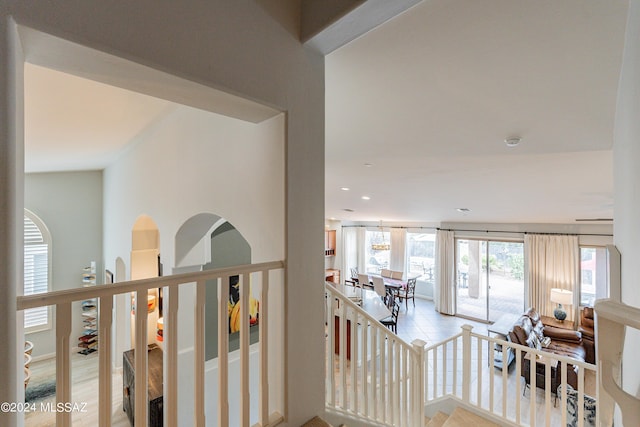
(238, 46)
(70, 204)
(627, 189)
(192, 162)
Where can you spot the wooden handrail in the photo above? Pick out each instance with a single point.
(78, 294)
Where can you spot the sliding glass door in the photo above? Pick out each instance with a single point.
(489, 278)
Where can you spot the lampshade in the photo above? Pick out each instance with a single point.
(561, 296)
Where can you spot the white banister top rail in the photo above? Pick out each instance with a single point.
(77, 294)
(362, 313)
(618, 312)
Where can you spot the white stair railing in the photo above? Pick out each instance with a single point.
(371, 373)
(464, 366)
(262, 276)
(612, 320)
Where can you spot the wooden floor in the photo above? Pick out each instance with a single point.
(84, 390)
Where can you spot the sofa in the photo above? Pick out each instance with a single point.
(586, 329)
(530, 331)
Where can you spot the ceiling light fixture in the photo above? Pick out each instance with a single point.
(366, 198)
(384, 246)
(348, 210)
(345, 188)
(512, 141)
(463, 210)
(368, 165)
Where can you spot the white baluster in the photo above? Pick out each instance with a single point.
(245, 398)
(518, 374)
(547, 390)
(454, 382)
(264, 349)
(223, 352)
(505, 369)
(63, 361)
(343, 355)
(354, 363)
(479, 392)
(366, 356)
(331, 336)
(104, 361)
(170, 337)
(140, 359)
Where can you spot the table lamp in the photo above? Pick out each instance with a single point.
(561, 296)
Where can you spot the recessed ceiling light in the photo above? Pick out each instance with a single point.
(368, 165)
(348, 210)
(463, 210)
(366, 198)
(345, 188)
(333, 218)
(512, 141)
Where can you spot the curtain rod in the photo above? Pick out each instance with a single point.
(485, 231)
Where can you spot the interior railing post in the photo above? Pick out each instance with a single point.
(104, 361)
(466, 361)
(418, 377)
(63, 361)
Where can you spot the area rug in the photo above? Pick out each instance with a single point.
(40, 391)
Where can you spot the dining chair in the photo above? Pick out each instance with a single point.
(409, 293)
(354, 273)
(397, 275)
(385, 272)
(378, 286)
(391, 322)
(363, 279)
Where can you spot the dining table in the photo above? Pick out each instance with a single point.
(396, 285)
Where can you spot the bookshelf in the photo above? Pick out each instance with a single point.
(88, 342)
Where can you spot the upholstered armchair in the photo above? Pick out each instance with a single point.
(586, 329)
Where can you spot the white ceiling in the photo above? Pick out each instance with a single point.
(72, 123)
(429, 97)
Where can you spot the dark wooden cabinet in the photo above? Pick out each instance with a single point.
(154, 381)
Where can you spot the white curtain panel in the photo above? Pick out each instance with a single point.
(362, 250)
(552, 262)
(444, 292)
(349, 250)
(398, 255)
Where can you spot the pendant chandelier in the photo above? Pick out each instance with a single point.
(384, 246)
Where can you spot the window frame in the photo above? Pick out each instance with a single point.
(595, 279)
(46, 240)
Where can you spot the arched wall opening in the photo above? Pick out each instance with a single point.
(207, 241)
(145, 263)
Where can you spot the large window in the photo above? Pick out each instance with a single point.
(37, 244)
(377, 259)
(421, 253)
(593, 274)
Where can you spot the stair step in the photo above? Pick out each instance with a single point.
(316, 422)
(438, 420)
(463, 418)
